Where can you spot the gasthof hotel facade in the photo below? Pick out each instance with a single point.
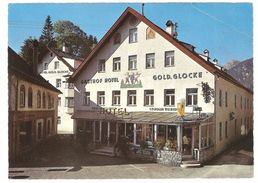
(133, 81)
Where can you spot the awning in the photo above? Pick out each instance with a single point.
(144, 117)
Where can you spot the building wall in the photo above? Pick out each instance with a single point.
(183, 64)
(243, 115)
(51, 74)
(24, 121)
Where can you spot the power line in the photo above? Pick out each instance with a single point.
(220, 21)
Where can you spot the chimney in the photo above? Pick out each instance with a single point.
(142, 9)
(206, 54)
(215, 61)
(64, 48)
(171, 28)
(35, 57)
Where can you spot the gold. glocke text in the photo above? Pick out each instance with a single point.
(190, 75)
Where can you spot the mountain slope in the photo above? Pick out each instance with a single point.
(242, 72)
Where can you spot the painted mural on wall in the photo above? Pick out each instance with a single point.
(131, 80)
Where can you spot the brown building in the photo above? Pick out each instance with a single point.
(32, 106)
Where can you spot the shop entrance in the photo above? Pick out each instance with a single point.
(187, 140)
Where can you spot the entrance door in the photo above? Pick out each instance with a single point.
(187, 140)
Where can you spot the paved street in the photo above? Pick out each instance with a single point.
(62, 158)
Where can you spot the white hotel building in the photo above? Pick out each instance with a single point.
(131, 83)
(56, 67)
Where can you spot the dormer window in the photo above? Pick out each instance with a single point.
(133, 35)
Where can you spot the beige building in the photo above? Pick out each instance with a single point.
(134, 80)
(32, 107)
(56, 67)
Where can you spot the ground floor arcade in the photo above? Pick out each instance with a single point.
(186, 135)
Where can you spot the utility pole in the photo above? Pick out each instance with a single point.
(143, 9)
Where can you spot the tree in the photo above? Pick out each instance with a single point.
(77, 40)
(27, 50)
(47, 36)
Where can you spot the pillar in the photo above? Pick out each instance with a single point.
(100, 130)
(134, 133)
(108, 132)
(155, 133)
(117, 131)
(93, 130)
(125, 129)
(179, 137)
(200, 137)
(166, 131)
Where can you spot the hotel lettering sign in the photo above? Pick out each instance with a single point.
(114, 110)
(162, 109)
(54, 72)
(101, 80)
(191, 75)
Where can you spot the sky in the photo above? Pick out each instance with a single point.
(225, 29)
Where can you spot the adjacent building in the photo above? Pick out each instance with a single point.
(32, 106)
(140, 81)
(56, 67)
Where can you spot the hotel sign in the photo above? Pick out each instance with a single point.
(191, 75)
(54, 72)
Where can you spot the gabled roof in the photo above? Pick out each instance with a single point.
(18, 66)
(60, 56)
(180, 45)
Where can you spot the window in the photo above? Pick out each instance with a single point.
(116, 64)
(69, 102)
(44, 100)
(117, 38)
(68, 85)
(226, 129)
(115, 97)
(220, 131)
(39, 99)
(48, 127)
(169, 97)
(226, 99)
(102, 65)
(56, 65)
(101, 97)
(235, 100)
(220, 98)
(148, 97)
(150, 60)
(49, 101)
(22, 96)
(191, 96)
(58, 83)
(245, 103)
(30, 97)
(45, 66)
(59, 101)
(133, 35)
(132, 62)
(58, 120)
(169, 58)
(40, 130)
(86, 100)
(131, 97)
